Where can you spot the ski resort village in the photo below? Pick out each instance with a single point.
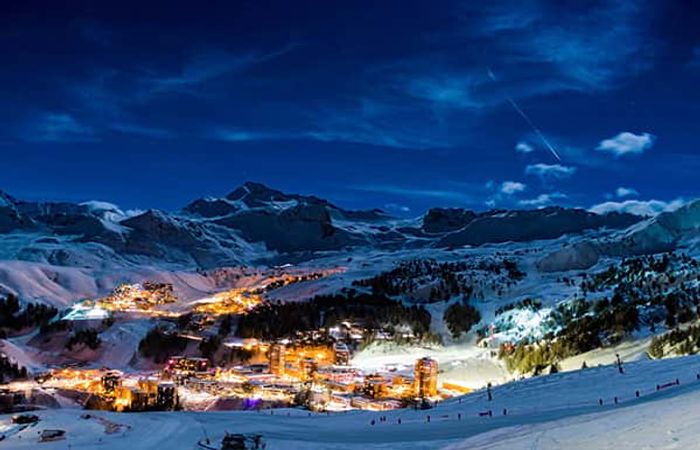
(201, 365)
(349, 225)
(310, 368)
(453, 330)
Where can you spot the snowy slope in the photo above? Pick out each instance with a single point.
(664, 232)
(556, 411)
(256, 222)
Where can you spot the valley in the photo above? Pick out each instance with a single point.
(209, 309)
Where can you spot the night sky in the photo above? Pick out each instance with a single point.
(399, 105)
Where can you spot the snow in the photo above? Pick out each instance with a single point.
(121, 343)
(633, 349)
(517, 324)
(559, 411)
(556, 411)
(62, 286)
(670, 423)
(81, 312)
(43, 282)
(17, 353)
(463, 363)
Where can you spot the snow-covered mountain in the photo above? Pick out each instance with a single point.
(58, 253)
(666, 232)
(530, 225)
(255, 222)
(662, 233)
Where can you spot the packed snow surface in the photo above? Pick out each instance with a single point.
(555, 411)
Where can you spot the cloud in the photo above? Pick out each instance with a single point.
(358, 132)
(417, 193)
(574, 152)
(626, 192)
(57, 127)
(130, 128)
(372, 136)
(534, 48)
(239, 135)
(375, 122)
(395, 207)
(627, 143)
(210, 65)
(550, 171)
(446, 90)
(591, 49)
(524, 147)
(542, 199)
(512, 187)
(502, 192)
(115, 98)
(638, 207)
(362, 121)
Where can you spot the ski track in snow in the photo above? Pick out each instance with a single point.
(550, 412)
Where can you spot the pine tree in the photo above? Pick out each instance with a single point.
(656, 348)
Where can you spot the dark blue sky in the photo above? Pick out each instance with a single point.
(393, 104)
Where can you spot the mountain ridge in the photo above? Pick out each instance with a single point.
(254, 222)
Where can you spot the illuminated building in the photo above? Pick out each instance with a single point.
(8, 399)
(186, 365)
(318, 399)
(425, 377)
(86, 315)
(110, 382)
(308, 367)
(338, 386)
(342, 354)
(322, 354)
(335, 374)
(277, 359)
(129, 398)
(148, 394)
(166, 398)
(136, 298)
(235, 301)
(376, 386)
(456, 387)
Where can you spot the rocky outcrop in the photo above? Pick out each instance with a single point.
(156, 234)
(284, 222)
(10, 218)
(255, 221)
(208, 208)
(443, 220)
(579, 256)
(662, 233)
(529, 225)
(300, 228)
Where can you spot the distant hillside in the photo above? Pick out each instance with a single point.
(254, 222)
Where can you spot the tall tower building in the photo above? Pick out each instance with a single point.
(110, 382)
(277, 359)
(308, 367)
(342, 354)
(425, 377)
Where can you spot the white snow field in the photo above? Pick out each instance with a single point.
(560, 411)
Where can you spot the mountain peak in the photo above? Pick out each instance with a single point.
(6, 199)
(258, 191)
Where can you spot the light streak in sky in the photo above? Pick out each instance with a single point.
(527, 119)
